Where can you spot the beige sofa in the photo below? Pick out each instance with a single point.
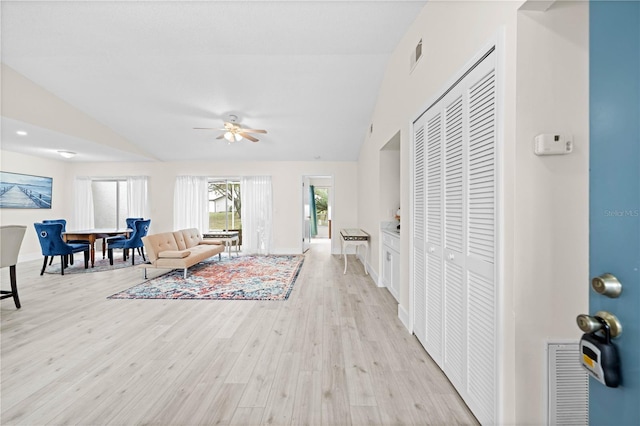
(178, 250)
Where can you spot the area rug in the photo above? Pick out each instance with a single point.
(99, 266)
(234, 278)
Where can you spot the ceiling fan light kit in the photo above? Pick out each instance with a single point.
(233, 131)
(232, 137)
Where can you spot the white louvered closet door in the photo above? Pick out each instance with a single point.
(419, 296)
(456, 231)
(482, 320)
(434, 195)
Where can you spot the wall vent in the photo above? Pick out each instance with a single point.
(415, 56)
(568, 391)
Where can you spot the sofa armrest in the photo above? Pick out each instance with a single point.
(174, 254)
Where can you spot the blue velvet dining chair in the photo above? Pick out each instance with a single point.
(131, 221)
(140, 229)
(64, 229)
(51, 243)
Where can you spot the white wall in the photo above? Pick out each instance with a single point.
(552, 195)
(26, 164)
(545, 200)
(286, 180)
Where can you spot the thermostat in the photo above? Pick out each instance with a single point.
(553, 144)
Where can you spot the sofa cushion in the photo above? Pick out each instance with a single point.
(174, 254)
(179, 239)
(191, 237)
(157, 243)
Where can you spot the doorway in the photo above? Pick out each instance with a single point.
(317, 211)
(321, 231)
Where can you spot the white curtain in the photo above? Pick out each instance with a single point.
(137, 197)
(83, 208)
(257, 206)
(191, 203)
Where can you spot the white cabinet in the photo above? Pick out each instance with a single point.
(390, 262)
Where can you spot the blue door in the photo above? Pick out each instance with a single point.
(614, 242)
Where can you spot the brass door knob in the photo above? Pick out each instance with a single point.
(588, 324)
(607, 285)
(591, 324)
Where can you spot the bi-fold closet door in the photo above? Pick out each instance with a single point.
(454, 236)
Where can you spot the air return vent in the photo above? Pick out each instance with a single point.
(415, 56)
(568, 386)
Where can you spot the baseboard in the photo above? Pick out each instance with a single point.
(403, 315)
(374, 276)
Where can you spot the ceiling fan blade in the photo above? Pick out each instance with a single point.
(248, 136)
(205, 128)
(253, 130)
(220, 137)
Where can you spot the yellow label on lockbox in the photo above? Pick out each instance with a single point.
(588, 361)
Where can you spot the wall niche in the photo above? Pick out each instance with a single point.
(390, 179)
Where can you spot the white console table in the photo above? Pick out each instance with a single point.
(356, 238)
(228, 238)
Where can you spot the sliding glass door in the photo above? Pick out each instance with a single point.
(110, 203)
(225, 205)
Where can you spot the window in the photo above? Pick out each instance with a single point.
(225, 206)
(110, 203)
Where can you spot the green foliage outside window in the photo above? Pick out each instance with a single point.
(321, 196)
(218, 220)
(231, 214)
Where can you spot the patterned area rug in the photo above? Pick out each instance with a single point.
(100, 264)
(235, 278)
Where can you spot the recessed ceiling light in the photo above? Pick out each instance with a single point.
(21, 133)
(67, 154)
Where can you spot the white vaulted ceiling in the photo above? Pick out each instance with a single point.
(147, 72)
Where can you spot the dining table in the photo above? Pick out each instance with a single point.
(92, 235)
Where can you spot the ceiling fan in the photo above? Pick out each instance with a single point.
(233, 131)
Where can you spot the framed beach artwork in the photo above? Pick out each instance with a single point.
(18, 191)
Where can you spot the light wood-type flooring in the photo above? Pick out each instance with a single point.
(335, 353)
